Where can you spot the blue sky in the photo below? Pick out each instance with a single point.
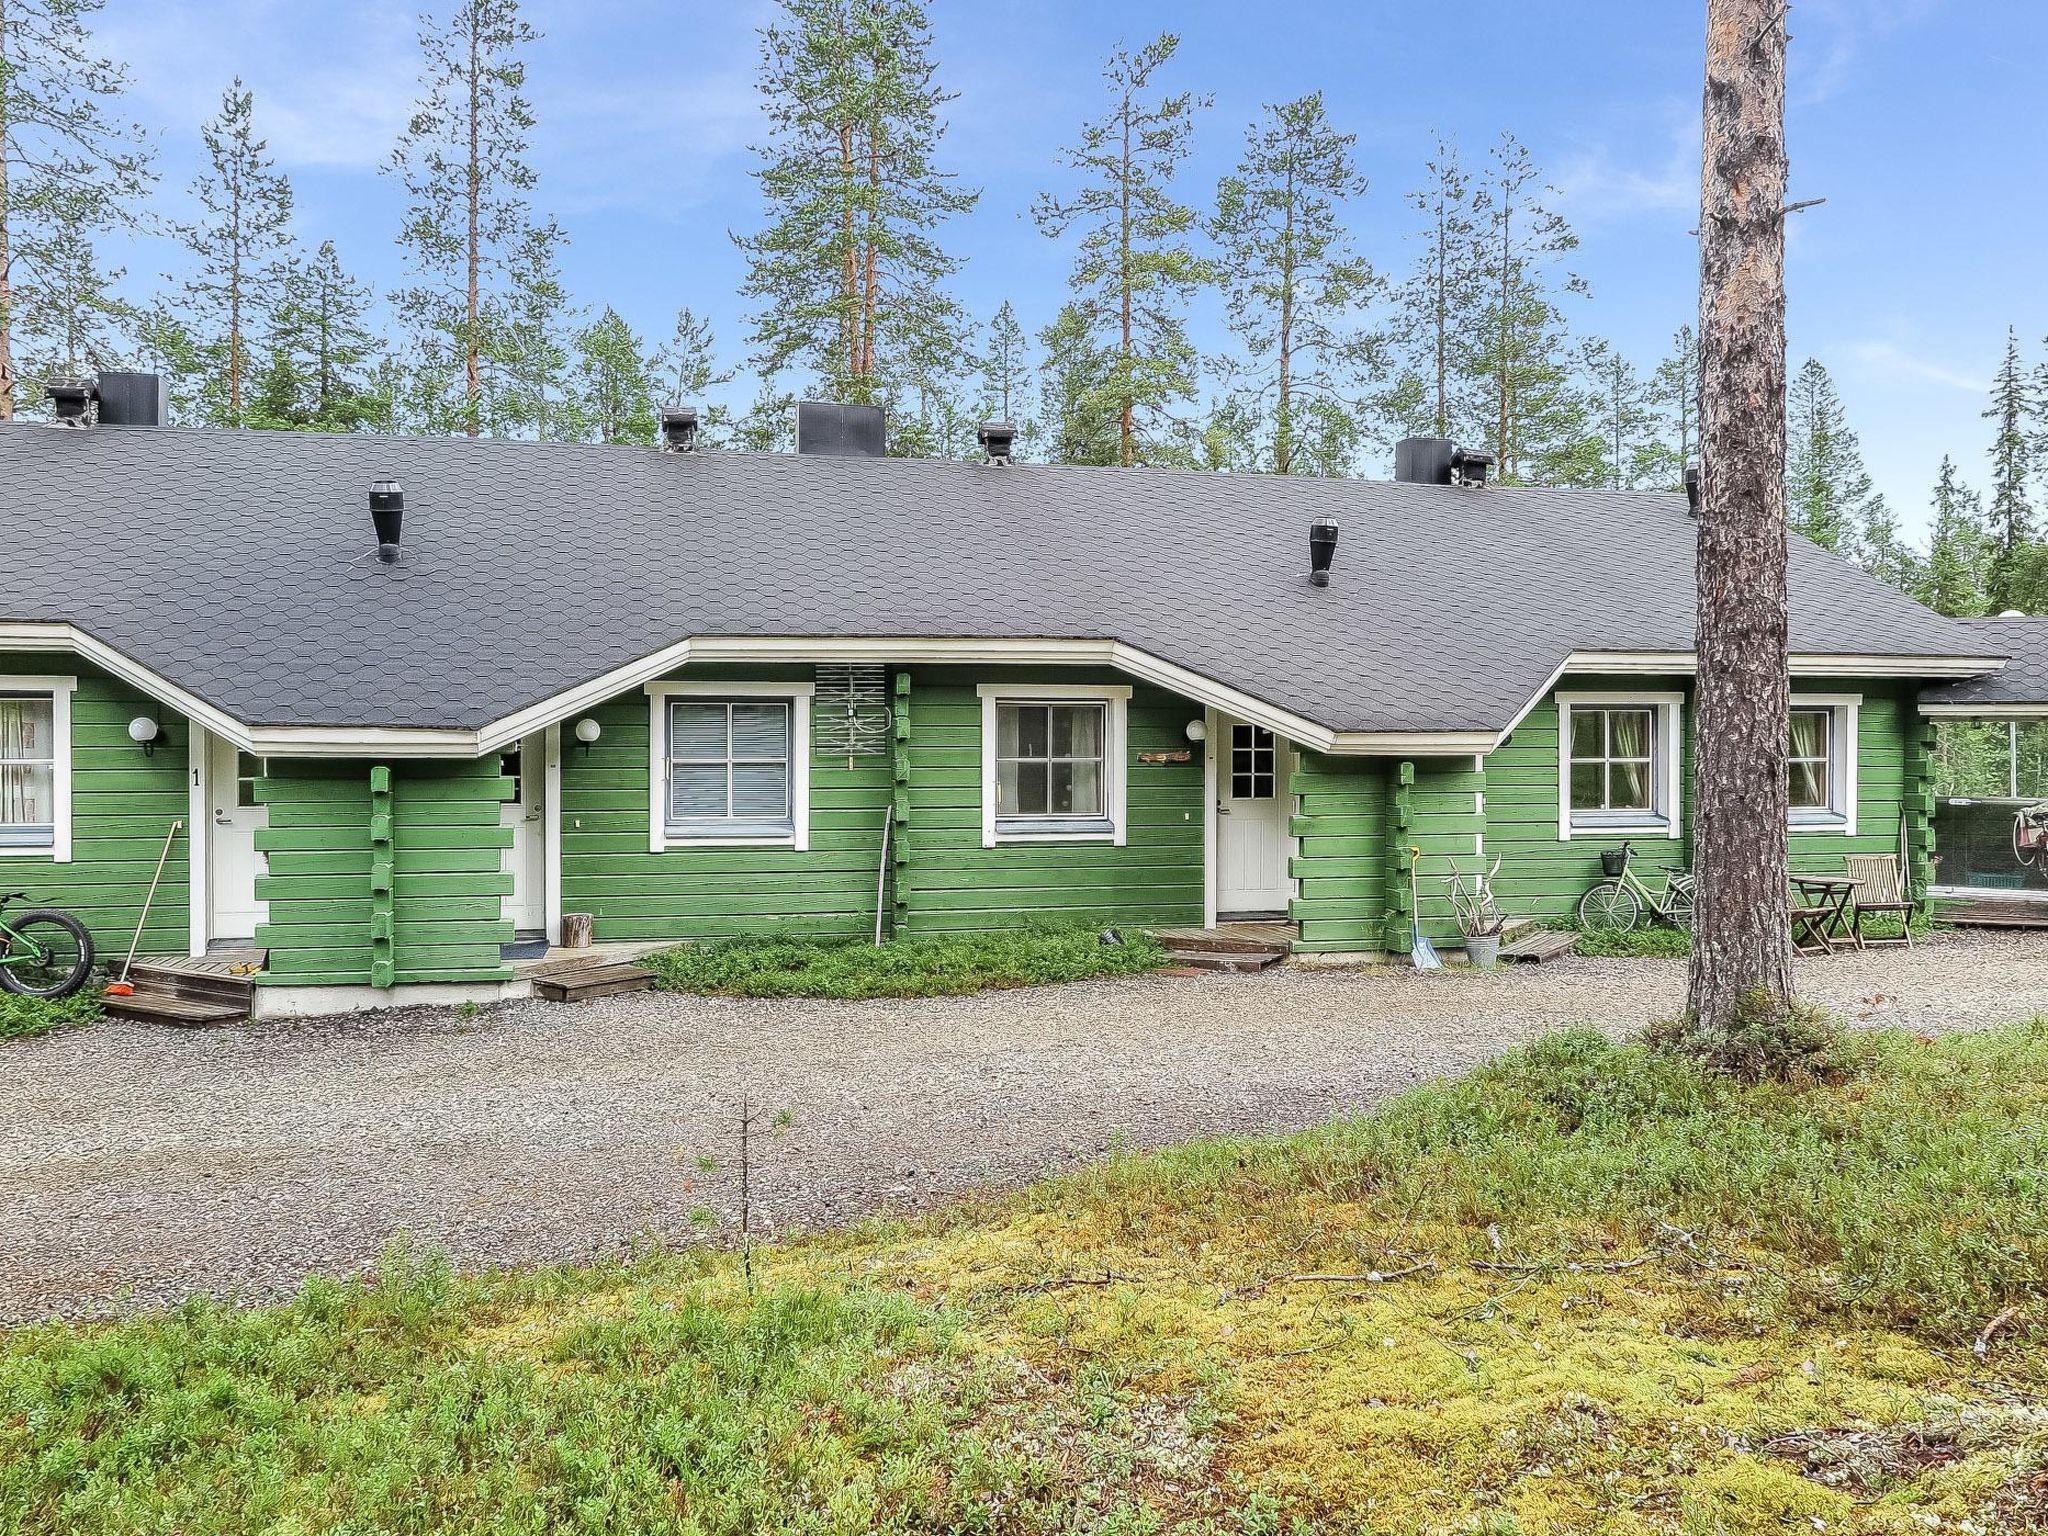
(1920, 121)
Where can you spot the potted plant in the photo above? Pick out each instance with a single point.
(1479, 919)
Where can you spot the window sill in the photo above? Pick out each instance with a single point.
(1580, 831)
(1838, 825)
(750, 839)
(1095, 832)
(29, 851)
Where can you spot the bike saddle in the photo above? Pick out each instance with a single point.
(13, 896)
(1674, 869)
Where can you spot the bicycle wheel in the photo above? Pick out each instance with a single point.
(1611, 906)
(58, 952)
(1678, 905)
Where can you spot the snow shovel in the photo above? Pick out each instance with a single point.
(1421, 951)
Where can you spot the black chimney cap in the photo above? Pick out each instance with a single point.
(1469, 466)
(71, 401)
(679, 429)
(997, 439)
(387, 515)
(1322, 549)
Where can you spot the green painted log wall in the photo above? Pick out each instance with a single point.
(929, 781)
(1344, 827)
(122, 805)
(383, 874)
(949, 882)
(608, 871)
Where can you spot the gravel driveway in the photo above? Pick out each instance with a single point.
(142, 1164)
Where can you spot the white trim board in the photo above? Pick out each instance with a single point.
(1115, 757)
(796, 695)
(422, 741)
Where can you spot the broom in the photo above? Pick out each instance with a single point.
(122, 986)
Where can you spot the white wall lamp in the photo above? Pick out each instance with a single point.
(1197, 730)
(587, 731)
(145, 733)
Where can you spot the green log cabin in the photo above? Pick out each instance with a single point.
(386, 710)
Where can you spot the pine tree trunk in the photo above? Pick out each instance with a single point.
(1741, 942)
(472, 342)
(6, 240)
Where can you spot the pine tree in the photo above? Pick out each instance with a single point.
(1952, 580)
(1294, 286)
(323, 371)
(1006, 379)
(1434, 305)
(1079, 402)
(482, 264)
(1521, 361)
(1625, 416)
(686, 372)
(239, 243)
(1134, 268)
(1826, 485)
(847, 273)
(614, 382)
(67, 167)
(71, 320)
(535, 341)
(1675, 397)
(2011, 521)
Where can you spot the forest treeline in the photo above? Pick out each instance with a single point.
(1482, 335)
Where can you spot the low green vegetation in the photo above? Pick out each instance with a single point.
(935, 967)
(1660, 941)
(23, 1018)
(1590, 1288)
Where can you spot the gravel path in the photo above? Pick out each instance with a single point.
(143, 1164)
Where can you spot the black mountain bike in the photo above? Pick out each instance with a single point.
(43, 952)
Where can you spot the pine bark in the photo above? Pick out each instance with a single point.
(1741, 942)
(6, 246)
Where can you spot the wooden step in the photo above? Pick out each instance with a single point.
(1540, 946)
(1223, 959)
(580, 986)
(1219, 940)
(195, 986)
(152, 1007)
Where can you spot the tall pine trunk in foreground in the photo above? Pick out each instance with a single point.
(1741, 943)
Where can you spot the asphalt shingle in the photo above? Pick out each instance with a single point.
(229, 562)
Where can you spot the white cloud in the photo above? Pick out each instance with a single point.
(1888, 362)
(1597, 182)
(1822, 60)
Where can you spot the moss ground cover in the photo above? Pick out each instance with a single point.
(23, 1018)
(935, 967)
(1588, 1289)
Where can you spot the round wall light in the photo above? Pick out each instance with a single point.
(1198, 730)
(145, 733)
(587, 731)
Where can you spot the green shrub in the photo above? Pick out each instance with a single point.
(22, 1018)
(935, 967)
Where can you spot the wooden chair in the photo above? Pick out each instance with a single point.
(1883, 891)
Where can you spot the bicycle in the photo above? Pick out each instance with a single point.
(43, 952)
(2030, 836)
(1617, 902)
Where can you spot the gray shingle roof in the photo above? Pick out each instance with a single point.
(222, 560)
(2023, 679)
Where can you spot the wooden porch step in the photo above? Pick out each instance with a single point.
(220, 988)
(1540, 945)
(1991, 912)
(581, 985)
(1248, 939)
(152, 1007)
(1224, 959)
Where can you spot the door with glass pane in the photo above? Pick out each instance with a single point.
(1251, 821)
(235, 862)
(525, 860)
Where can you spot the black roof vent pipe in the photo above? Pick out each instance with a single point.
(1322, 549)
(1469, 467)
(73, 402)
(387, 512)
(679, 429)
(1692, 490)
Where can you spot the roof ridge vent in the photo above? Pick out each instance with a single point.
(679, 429)
(998, 440)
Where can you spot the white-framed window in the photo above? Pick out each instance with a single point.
(1820, 762)
(35, 767)
(1052, 763)
(729, 765)
(1617, 764)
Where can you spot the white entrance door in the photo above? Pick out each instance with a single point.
(231, 777)
(527, 905)
(1251, 821)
